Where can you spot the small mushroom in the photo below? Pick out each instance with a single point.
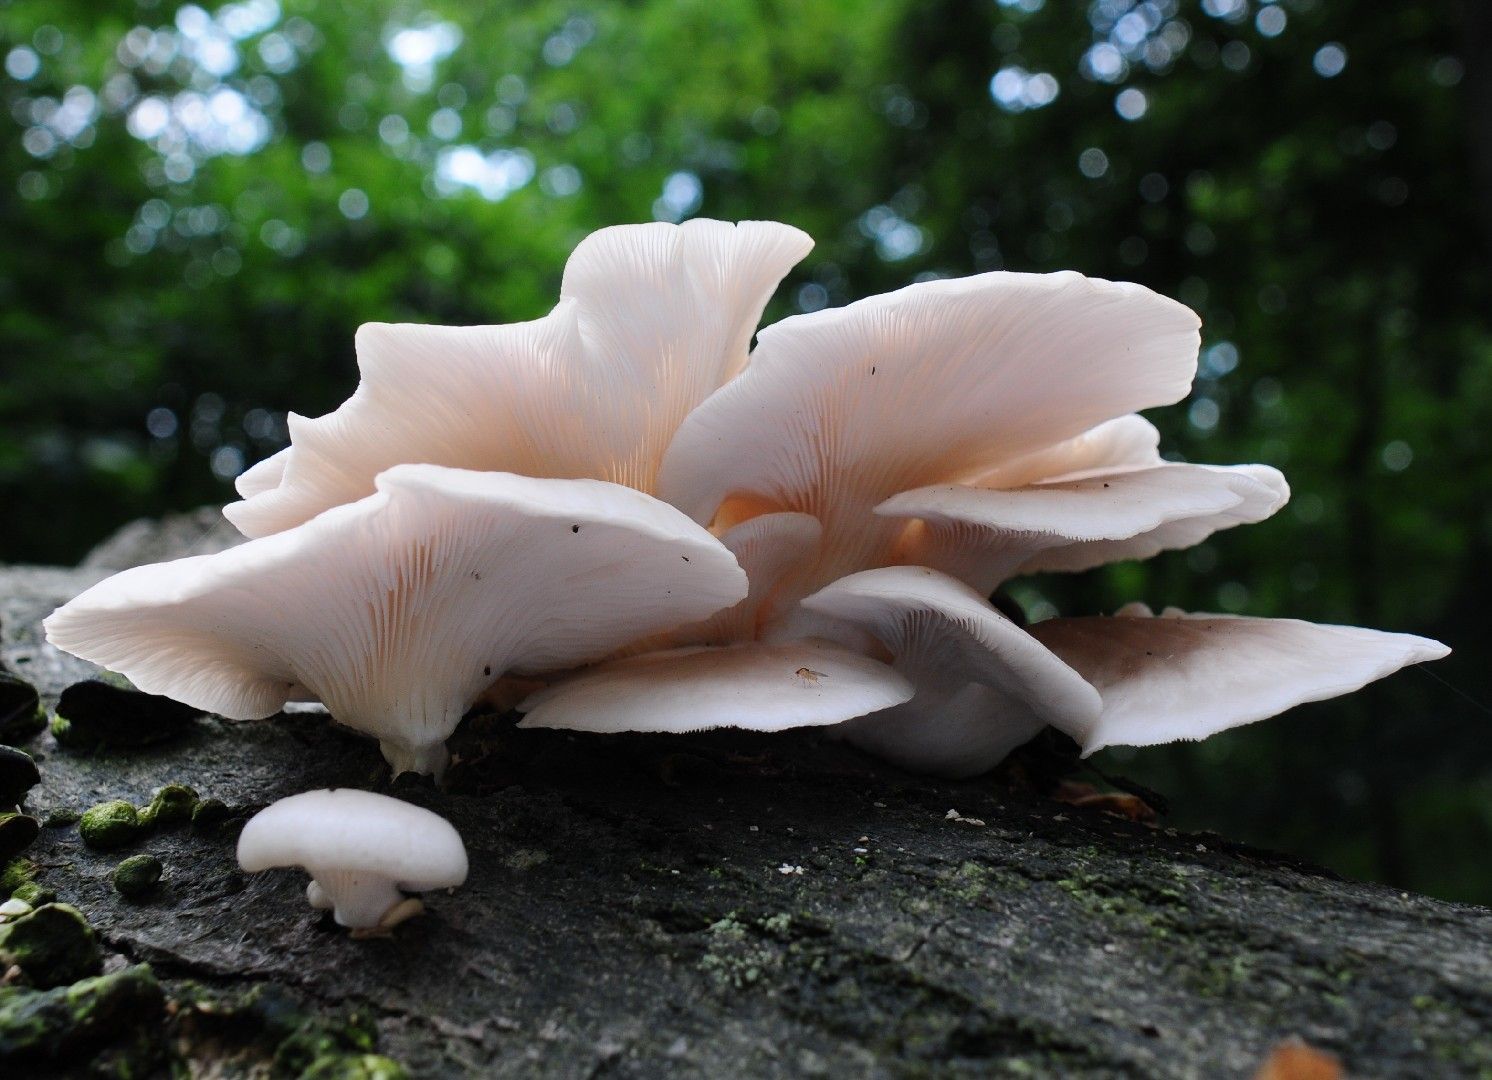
(360, 849)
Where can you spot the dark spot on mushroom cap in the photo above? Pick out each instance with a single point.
(486, 669)
(684, 557)
(574, 528)
(1106, 485)
(476, 574)
(872, 369)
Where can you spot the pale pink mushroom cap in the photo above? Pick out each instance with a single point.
(398, 610)
(651, 319)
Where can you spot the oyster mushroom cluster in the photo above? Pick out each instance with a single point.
(672, 530)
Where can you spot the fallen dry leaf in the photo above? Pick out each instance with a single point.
(1118, 803)
(1294, 1059)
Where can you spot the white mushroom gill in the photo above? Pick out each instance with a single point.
(984, 685)
(651, 319)
(363, 851)
(1187, 676)
(938, 382)
(398, 610)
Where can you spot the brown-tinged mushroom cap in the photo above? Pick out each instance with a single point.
(1189, 675)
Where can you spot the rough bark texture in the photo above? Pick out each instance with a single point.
(730, 905)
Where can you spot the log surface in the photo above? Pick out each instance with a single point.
(737, 905)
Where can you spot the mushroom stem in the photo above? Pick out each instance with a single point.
(428, 760)
(357, 899)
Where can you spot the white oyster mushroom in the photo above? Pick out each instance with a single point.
(984, 685)
(984, 536)
(1126, 442)
(398, 610)
(651, 320)
(1188, 676)
(937, 383)
(363, 852)
(263, 475)
(755, 685)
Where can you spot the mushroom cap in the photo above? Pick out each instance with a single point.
(398, 610)
(1183, 675)
(652, 318)
(1126, 442)
(944, 637)
(752, 685)
(985, 535)
(349, 830)
(938, 382)
(943, 634)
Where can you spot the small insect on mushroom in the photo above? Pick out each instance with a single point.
(363, 852)
(809, 675)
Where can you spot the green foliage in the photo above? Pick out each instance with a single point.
(162, 306)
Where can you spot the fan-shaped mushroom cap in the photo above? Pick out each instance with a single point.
(652, 318)
(754, 685)
(944, 636)
(1126, 442)
(398, 610)
(984, 536)
(1187, 676)
(263, 475)
(939, 382)
(360, 849)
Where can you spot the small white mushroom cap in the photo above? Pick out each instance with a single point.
(1188, 676)
(398, 610)
(362, 850)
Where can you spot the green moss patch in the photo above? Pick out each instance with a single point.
(53, 946)
(67, 1023)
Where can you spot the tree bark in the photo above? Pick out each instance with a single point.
(738, 905)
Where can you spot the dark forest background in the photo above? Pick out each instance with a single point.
(198, 205)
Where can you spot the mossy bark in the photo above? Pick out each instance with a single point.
(730, 904)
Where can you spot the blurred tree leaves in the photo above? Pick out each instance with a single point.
(200, 206)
